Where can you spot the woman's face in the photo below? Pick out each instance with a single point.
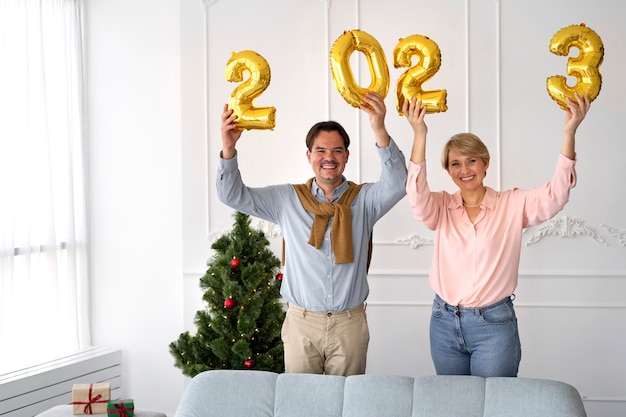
(467, 172)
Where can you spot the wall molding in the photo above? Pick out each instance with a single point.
(589, 399)
(564, 227)
(423, 274)
(205, 99)
(518, 305)
(523, 274)
(619, 234)
(427, 303)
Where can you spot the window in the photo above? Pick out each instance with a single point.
(43, 232)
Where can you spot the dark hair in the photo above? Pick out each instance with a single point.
(329, 126)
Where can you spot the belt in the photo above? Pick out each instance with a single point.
(328, 313)
(477, 310)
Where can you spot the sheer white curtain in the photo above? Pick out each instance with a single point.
(43, 258)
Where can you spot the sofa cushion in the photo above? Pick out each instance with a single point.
(229, 393)
(523, 397)
(235, 393)
(449, 395)
(377, 396)
(308, 395)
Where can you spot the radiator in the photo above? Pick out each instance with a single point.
(28, 392)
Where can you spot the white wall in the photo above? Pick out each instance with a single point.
(134, 82)
(157, 86)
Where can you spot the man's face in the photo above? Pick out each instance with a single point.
(328, 158)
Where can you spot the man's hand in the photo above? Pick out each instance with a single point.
(230, 133)
(375, 107)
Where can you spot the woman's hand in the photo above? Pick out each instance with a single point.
(576, 112)
(574, 115)
(414, 112)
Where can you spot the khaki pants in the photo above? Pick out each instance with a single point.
(333, 342)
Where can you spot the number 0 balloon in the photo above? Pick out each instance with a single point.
(585, 67)
(348, 42)
(248, 116)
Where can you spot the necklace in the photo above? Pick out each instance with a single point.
(475, 205)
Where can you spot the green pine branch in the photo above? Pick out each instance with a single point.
(242, 269)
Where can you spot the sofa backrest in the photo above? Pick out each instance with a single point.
(243, 393)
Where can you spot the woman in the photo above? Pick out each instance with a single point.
(478, 234)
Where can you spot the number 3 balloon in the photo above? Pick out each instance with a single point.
(348, 42)
(248, 116)
(585, 67)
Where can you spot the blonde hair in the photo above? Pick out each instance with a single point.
(467, 144)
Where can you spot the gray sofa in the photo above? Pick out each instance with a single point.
(234, 393)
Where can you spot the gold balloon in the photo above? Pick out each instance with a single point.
(241, 99)
(410, 82)
(585, 67)
(348, 42)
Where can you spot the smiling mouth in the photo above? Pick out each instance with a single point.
(468, 178)
(329, 166)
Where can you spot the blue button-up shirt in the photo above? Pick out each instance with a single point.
(311, 278)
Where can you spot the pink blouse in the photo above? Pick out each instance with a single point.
(477, 264)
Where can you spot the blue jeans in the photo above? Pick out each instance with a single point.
(475, 341)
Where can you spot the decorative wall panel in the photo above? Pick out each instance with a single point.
(495, 61)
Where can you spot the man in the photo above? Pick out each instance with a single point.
(327, 225)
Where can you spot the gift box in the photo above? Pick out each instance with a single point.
(91, 398)
(120, 408)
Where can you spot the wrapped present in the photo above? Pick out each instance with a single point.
(120, 408)
(91, 398)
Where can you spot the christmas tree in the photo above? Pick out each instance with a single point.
(240, 328)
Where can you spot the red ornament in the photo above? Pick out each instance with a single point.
(249, 363)
(230, 303)
(234, 263)
(279, 277)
